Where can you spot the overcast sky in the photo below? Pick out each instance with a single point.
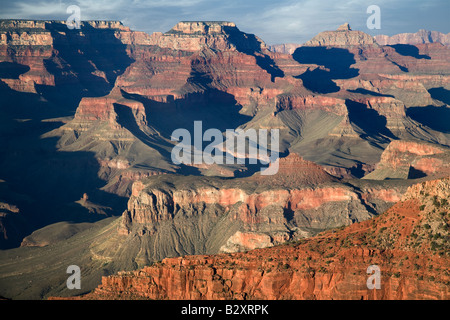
(274, 21)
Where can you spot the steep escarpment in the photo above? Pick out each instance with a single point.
(25, 51)
(56, 55)
(286, 48)
(411, 159)
(13, 224)
(195, 35)
(46, 69)
(343, 36)
(407, 243)
(172, 216)
(422, 36)
(194, 57)
(10, 220)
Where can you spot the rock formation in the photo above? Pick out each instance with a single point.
(13, 225)
(343, 36)
(411, 159)
(408, 244)
(422, 36)
(286, 48)
(297, 202)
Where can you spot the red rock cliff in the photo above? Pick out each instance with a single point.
(332, 265)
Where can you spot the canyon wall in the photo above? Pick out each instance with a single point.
(332, 265)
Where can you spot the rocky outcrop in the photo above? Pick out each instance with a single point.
(411, 159)
(286, 48)
(328, 104)
(102, 109)
(195, 35)
(26, 43)
(410, 92)
(155, 206)
(47, 48)
(343, 36)
(294, 171)
(17, 32)
(13, 224)
(422, 36)
(8, 229)
(332, 265)
(179, 215)
(205, 49)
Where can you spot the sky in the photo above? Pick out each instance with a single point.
(275, 21)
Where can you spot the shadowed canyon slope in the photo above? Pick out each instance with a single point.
(86, 119)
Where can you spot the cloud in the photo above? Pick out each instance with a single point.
(299, 21)
(23, 9)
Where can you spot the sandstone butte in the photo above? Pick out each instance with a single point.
(409, 243)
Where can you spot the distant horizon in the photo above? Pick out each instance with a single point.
(217, 21)
(286, 21)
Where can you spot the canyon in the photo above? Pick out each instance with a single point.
(86, 118)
